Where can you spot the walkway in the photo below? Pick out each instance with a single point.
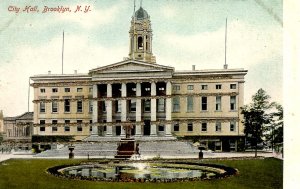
(207, 155)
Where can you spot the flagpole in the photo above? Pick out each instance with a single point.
(225, 65)
(62, 55)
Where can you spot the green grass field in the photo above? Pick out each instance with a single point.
(31, 173)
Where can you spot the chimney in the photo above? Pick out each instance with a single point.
(193, 67)
(75, 71)
(49, 72)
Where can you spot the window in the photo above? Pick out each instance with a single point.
(42, 107)
(232, 86)
(203, 103)
(119, 105)
(176, 127)
(176, 87)
(42, 90)
(42, 127)
(79, 90)
(147, 89)
(232, 102)
(91, 127)
(67, 90)
(54, 90)
(132, 105)
(190, 104)
(140, 42)
(232, 126)
(79, 106)
(161, 88)
(54, 127)
(190, 87)
(204, 87)
(218, 127)
(218, 86)
(218, 103)
(103, 106)
(161, 128)
(190, 126)
(67, 127)
(67, 105)
(79, 126)
(218, 145)
(176, 104)
(54, 106)
(90, 106)
(204, 127)
(147, 105)
(161, 105)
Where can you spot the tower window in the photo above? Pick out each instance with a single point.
(140, 42)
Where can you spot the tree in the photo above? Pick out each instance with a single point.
(255, 117)
(274, 131)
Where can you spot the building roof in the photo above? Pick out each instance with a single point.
(141, 14)
(24, 116)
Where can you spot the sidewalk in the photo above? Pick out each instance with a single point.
(206, 155)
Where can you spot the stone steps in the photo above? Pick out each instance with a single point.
(149, 148)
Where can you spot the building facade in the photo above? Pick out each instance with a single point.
(19, 128)
(155, 100)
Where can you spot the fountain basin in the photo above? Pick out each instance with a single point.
(142, 171)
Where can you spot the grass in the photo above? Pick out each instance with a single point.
(31, 173)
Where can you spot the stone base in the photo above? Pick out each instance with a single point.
(126, 148)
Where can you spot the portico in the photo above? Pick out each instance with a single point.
(143, 102)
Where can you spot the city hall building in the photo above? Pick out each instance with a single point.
(156, 101)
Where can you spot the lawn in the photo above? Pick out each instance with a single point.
(31, 173)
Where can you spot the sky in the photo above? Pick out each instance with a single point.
(185, 33)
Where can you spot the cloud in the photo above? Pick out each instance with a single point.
(95, 17)
(168, 11)
(79, 55)
(246, 45)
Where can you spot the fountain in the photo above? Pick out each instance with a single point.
(142, 171)
(127, 146)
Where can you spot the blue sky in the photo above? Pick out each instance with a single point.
(186, 33)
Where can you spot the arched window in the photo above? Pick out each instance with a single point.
(140, 42)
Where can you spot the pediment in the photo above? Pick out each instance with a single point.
(131, 66)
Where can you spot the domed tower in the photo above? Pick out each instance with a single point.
(141, 37)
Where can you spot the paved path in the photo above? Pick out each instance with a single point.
(208, 155)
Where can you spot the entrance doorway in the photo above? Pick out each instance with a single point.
(147, 127)
(118, 130)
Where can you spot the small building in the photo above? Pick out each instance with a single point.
(18, 129)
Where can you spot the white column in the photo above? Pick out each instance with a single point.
(95, 110)
(168, 108)
(138, 115)
(109, 110)
(153, 131)
(123, 107)
(144, 46)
